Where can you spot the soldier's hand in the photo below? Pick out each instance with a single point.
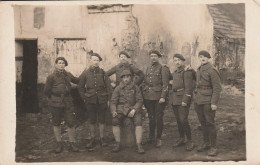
(162, 100)
(113, 84)
(188, 67)
(108, 103)
(171, 82)
(213, 107)
(131, 113)
(183, 104)
(114, 114)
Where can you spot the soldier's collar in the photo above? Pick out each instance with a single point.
(205, 66)
(123, 64)
(123, 85)
(155, 64)
(56, 71)
(94, 68)
(181, 68)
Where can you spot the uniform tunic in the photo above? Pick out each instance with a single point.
(94, 86)
(126, 66)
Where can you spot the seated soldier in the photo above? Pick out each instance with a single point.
(126, 103)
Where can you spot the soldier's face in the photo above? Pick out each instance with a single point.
(126, 79)
(178, 62)
(203, 59)
(154, 58)
(123, 58)
(95, 61)
(60, 65)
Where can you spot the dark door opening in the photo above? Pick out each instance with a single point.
(29, 94)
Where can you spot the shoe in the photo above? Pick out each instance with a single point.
(189, 146)
(74, 147)
(58, 148)
(102, 142)
(212, 151)
(158, 143)
(203, 147)
(179, 142)
(140, 149)
(91, 143)
(116, 147)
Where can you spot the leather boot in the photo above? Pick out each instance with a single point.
(140, 149)
(212, 151)
(116, 147)
(178, 143)
(203, 147)
(58, 148)
(74, 147)
(189, 146)
(158, 143)
(102, 142)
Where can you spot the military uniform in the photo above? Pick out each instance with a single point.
(155, 86)
(207, 93)
(57, 89)
(94, 88)
(182, 90)
(124, 99)
(126, 66)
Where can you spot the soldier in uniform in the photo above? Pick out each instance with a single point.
(207, 95)
(58, 92)
(126, 103)
(182, 89)
(94, 88)
(125, 65)
(155, 90)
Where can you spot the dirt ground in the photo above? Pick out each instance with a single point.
(35, 139)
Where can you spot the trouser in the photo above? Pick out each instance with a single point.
(206, 117)
(181, 114)
(155, 114)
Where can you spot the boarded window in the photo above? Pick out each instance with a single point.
(39, 16)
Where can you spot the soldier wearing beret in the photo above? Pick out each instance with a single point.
(125, 65)
(207, 94)
(58, 92)
(94, 88)
(126, 103)
(155, 90)
(182, 89)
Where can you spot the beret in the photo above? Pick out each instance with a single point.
(125, 72)
(204, 53)
(63, 59)
(179, 56)
(124, 53)
(97, 55)
(155, 52)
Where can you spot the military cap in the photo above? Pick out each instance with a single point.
(97, 55)
(125, 72)
(63, 59)
(204, 53)
(124, 53)
(179, 56)
(155, 52)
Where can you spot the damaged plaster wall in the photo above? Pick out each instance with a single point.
(172, 29)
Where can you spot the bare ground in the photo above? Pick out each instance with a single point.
(35, 140)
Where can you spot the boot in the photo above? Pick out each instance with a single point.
(150, 140)
(58, 148)
(140, 149)
(203, 147)
(116, 147)
(158, 143)
(189, 146)
(212, 151)
(102, 142)
(74, 147)
(91, 143)
(178, 143)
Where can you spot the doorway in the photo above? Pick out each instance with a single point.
(26, 76)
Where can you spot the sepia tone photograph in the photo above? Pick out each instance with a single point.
(130, 82)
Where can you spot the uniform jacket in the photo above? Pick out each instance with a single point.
(156, 82)
(182, 87)
(134, 70)
(94, 85)
(208, 86)
(57, 87)
(126, 98)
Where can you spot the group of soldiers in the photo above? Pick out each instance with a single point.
(133, 89)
